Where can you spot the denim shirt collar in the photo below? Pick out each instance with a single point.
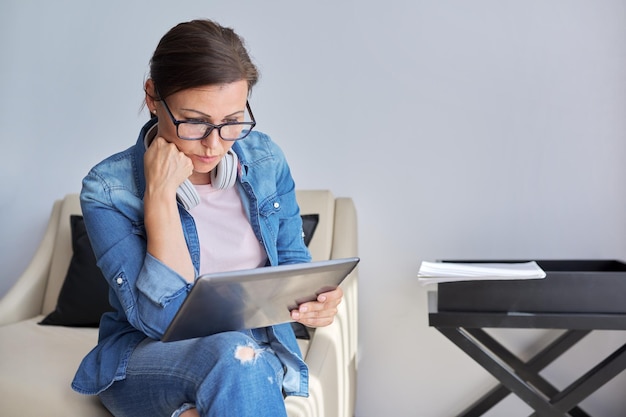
(138, 153)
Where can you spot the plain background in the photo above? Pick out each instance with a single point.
(483, 129)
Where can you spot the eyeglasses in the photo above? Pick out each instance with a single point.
(197, 130)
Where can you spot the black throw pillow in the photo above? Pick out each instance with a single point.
(309, 224)
(84, 296)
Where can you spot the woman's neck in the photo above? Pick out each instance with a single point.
(200, 178)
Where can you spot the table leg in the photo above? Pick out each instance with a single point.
(501, 371)
(584, 386)
(528, 370)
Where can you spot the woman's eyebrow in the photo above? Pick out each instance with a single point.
(208, 116)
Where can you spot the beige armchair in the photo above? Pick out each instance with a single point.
(37, 363)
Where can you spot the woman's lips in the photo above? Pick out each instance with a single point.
(207, 159)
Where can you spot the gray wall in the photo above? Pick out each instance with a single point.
(462, 129)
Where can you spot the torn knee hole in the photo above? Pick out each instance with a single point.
(245, 354)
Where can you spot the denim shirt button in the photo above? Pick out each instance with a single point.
(119, 281)
(276, 204)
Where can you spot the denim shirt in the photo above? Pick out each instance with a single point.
(144, 292)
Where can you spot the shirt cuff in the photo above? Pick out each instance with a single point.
(159, 283)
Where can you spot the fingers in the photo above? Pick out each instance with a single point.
(321, 312)
(331, 296)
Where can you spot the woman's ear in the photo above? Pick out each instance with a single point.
(150, 96)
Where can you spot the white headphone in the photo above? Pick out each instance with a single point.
(225, 173)
(223, 176)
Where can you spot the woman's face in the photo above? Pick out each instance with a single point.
(215, 104)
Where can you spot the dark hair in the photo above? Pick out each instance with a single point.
(197, 53)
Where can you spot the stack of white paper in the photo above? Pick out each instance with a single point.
(437, 272)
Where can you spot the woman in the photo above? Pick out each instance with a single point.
(151, 245)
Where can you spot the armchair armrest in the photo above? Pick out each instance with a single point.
(331, 356)
(344, 229)
(24, 299)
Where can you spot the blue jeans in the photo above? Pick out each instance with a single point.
(219, 375)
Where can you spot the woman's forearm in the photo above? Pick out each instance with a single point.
(166, 240)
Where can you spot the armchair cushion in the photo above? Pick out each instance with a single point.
(84, 294)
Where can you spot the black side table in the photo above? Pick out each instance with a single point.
(465, 329)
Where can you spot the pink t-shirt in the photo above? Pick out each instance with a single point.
(227, 241)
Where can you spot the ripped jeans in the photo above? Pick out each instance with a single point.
(227, 374)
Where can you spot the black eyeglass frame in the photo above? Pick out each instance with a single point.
(211, 126)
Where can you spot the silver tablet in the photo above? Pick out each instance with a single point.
(253, 298)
